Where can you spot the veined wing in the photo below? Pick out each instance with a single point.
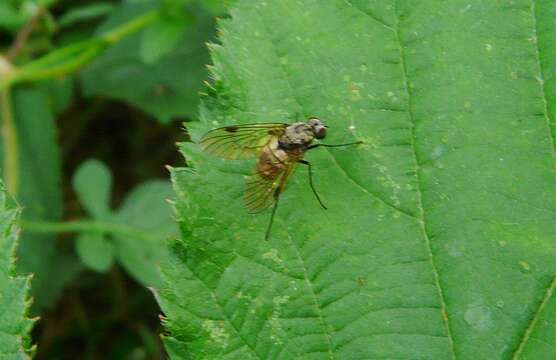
(240, 141)
(261, 193)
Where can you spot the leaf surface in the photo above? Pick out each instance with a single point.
(139, 225)
(93, 184)
(84, 13)
(439, 241)
(95, 251)
(161, 38)
(14, 289)
(145, 209)
(40, 194)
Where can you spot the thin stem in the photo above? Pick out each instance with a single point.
(130, 27)
(71, 58)
(10, 141)
(78, 226)
(24, 34)
(78, 54)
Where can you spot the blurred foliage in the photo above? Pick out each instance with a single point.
(40, 193)
(136, 227)
(159, 71)
(94, 94)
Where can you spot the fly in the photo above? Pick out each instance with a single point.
(278, 148)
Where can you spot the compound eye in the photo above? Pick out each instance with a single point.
(320, 132)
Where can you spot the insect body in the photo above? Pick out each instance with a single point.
(278, 147)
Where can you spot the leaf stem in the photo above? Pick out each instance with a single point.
(10, 141)
(60, 62)
(130, 27)
(78, 226)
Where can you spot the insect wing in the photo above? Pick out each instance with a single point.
(261, 193)
(240, 141)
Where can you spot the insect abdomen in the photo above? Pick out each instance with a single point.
(271, 163)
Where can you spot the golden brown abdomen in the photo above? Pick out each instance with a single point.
(274, 160)
(271, 163)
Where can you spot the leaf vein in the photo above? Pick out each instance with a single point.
(373, 311)
(370, 15)
(542, 82)
(374, 335)
(224, 314)
(267, 267)
(318, 307)
(422, 220)
(364, 190)
(536, 316)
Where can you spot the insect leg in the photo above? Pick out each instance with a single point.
(305, 162)
(334, 145)
(276, 198)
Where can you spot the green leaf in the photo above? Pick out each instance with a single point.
(169, 88)
(161, 38)
(85, 13)
(93, 184)
(439, 238)
(41, 3)
(14, 302)
(10, 18)
(59, 93)
(137, 229)
(58, 62)
(40, 195)
(95, 251)
(170, 7)
(217, 7)
(147, 211)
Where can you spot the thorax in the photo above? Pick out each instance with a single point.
(296, 138)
